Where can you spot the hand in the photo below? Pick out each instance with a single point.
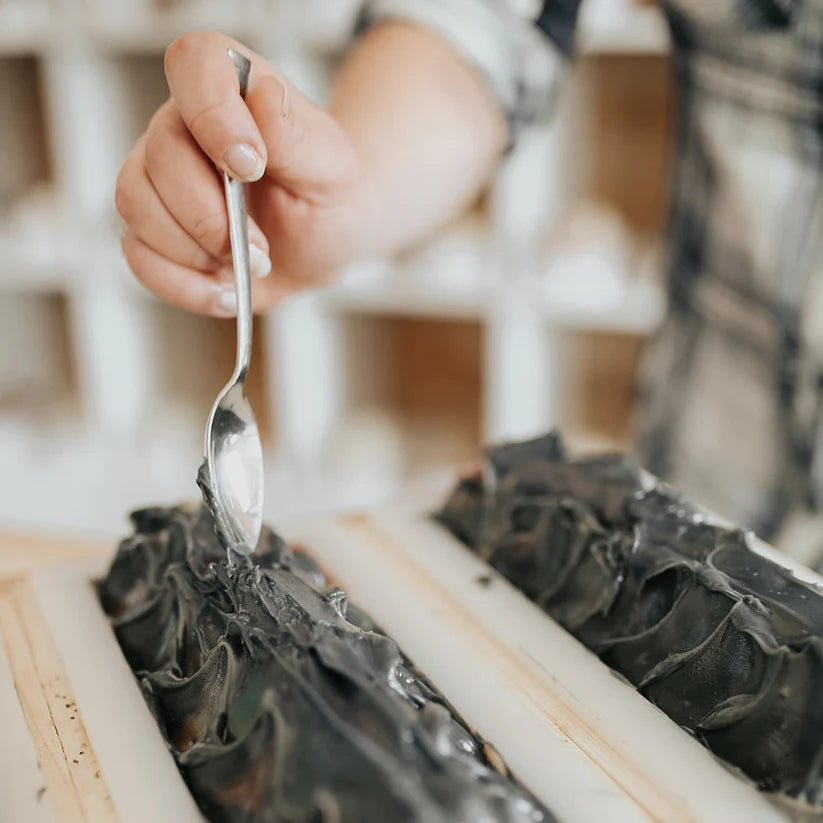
(304, 203)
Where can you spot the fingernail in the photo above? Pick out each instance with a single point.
(259, 261)
(244, 162)
(227, 301)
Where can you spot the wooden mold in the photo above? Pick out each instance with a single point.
(582, 740)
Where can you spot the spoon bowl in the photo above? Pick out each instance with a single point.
(234, 455)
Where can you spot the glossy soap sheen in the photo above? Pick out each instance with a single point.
(724, 641)
(278, 700)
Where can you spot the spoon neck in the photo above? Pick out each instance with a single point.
(238, 233)
(240, 374)
(243, 361)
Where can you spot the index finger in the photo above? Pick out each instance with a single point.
(205, 89)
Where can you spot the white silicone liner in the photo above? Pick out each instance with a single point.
(139, 770)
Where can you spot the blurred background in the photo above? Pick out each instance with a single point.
(528, 313)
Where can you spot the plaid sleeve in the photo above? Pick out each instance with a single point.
(522, 52)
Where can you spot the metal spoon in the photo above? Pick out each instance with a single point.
(233, 488)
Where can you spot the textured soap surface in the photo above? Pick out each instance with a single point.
(724, 641)
(279, 701)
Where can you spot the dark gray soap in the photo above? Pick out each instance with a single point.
(279, 702)
(726, 642)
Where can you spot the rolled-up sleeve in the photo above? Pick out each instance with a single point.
(520, 47)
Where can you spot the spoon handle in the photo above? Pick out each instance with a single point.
(236, 203)
(238, 234)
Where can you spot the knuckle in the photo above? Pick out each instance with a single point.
(178, 49)
(128, 247)
(161, 137)
(174, 52)
(211, 231)
(138, 273)
(125, 200)
(156, 144)
(184, 47)
(349, 165)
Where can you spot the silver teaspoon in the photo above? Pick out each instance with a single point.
(232, 477)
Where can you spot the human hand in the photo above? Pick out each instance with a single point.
(305, 205)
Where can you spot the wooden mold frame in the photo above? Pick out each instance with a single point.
(585, 742)
(92, 752)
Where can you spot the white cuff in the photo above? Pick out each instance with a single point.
(520, 64)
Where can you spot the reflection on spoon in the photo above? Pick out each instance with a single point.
(231, 478)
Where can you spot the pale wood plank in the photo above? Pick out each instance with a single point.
(41, 725)
(69, 766)
(23, 794)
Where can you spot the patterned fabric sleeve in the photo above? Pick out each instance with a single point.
(520, 47)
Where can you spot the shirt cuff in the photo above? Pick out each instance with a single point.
(521, 66)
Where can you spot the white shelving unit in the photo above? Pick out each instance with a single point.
(112, 426)
(622, 27)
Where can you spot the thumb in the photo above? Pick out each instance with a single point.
(205, 89)
(309, 154)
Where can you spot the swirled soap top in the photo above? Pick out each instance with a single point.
(278, 700)
(726, 642)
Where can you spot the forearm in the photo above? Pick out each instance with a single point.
(426, 127)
